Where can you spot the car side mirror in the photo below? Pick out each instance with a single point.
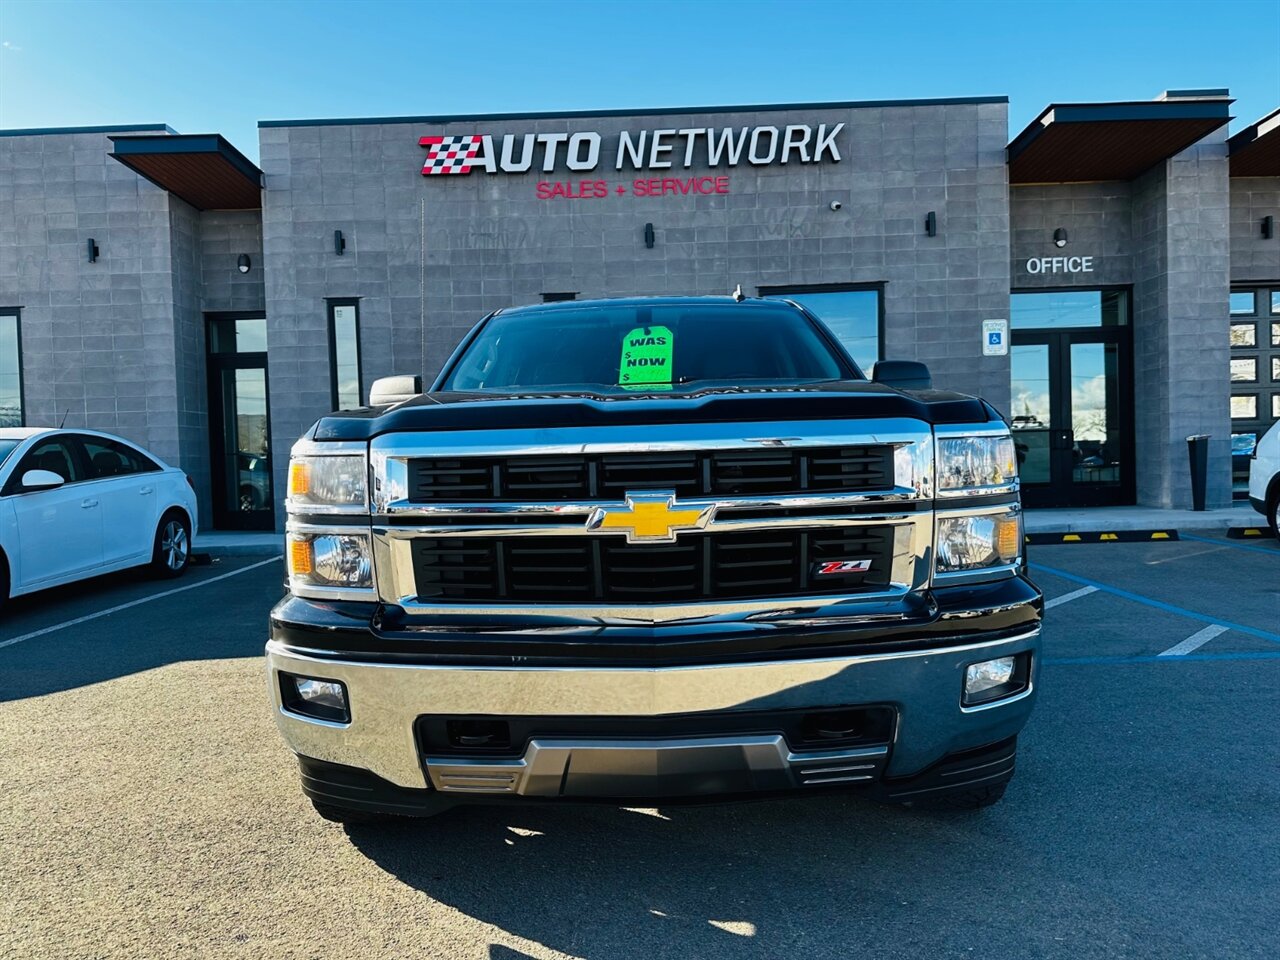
(902, 374)
(394, 390)
(41, 480)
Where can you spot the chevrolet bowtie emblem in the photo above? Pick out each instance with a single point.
(651, 517)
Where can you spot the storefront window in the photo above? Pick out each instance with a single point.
(1250, 410)
(851, 313)
(1244, 335)
(1243, 303)
(1244, 370)
(10, 371)
(243, 335)
(1244, 407)
(1069, 308)
(344, 353)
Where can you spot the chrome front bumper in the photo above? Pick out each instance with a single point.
(923, 686)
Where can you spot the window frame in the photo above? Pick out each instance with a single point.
(783, 291)
(16, 313)
(331, 305)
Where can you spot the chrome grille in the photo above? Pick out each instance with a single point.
(744, 472)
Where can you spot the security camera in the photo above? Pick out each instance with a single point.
(836, 204)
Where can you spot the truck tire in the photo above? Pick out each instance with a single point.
(172, 550)
(347, 815)
(974, 799)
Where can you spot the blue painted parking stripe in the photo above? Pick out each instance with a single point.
(1160, 658)
(1234, 546)
(1160, 604)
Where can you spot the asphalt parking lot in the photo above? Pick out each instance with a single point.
(148, 809)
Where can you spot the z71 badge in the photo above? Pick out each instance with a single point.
(838, 567)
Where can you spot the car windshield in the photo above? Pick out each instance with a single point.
(7, 447)
(640, 347)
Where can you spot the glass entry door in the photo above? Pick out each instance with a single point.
(240, 438)
(1072, 416)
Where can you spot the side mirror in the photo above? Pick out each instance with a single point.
(902, 374)
(41, 480)
(394, 390)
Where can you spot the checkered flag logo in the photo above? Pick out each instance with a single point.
(449, 154)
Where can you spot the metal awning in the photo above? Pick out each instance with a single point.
(203, 169)
(1255, 150)
(1083, 142)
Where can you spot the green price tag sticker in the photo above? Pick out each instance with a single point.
(646, 359)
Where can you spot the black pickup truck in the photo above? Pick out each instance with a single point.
(652, 550)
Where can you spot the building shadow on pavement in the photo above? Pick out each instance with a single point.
(828, 875)
(227, 619)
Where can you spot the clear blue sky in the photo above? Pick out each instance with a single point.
(220, 67)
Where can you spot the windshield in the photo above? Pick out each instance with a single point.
(647, 347)
(7, 447)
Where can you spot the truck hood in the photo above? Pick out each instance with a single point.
(828, 400)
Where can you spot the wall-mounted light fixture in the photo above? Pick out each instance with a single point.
(1060, 237)
(93, 250)
(931, 224)
(648, 236)
(243, 263)
(339, 244)
(1268, 227)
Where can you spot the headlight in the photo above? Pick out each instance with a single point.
(328, 482)
(977, 541)
(330, 560)
(976, 465)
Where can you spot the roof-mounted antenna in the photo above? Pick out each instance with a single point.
(64, 418)
(738, 295)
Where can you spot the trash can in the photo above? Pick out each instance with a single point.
(1198, 455)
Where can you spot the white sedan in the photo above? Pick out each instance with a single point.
(77, 503)
(1264, 477)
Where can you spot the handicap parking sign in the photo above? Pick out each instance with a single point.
(995, 338)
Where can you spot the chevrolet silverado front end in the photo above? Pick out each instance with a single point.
(736, 570)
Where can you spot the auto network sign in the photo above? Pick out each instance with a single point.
(584, 153)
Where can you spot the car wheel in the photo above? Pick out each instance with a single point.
(172, 550)
(4, 582)
(1274, 516)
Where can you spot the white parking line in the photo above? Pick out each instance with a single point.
(1068, 597)
(1195, 641)
(133, 603)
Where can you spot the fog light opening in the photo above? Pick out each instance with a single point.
(990, 680)
(314, 697)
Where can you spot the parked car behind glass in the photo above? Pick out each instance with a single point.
(77, 503)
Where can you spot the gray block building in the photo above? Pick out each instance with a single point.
(166, 288)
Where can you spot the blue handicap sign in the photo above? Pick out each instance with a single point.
(993, 338)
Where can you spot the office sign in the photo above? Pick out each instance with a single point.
(1037, 265)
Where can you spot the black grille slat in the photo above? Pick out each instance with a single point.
(607, 569)
(746, 472)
